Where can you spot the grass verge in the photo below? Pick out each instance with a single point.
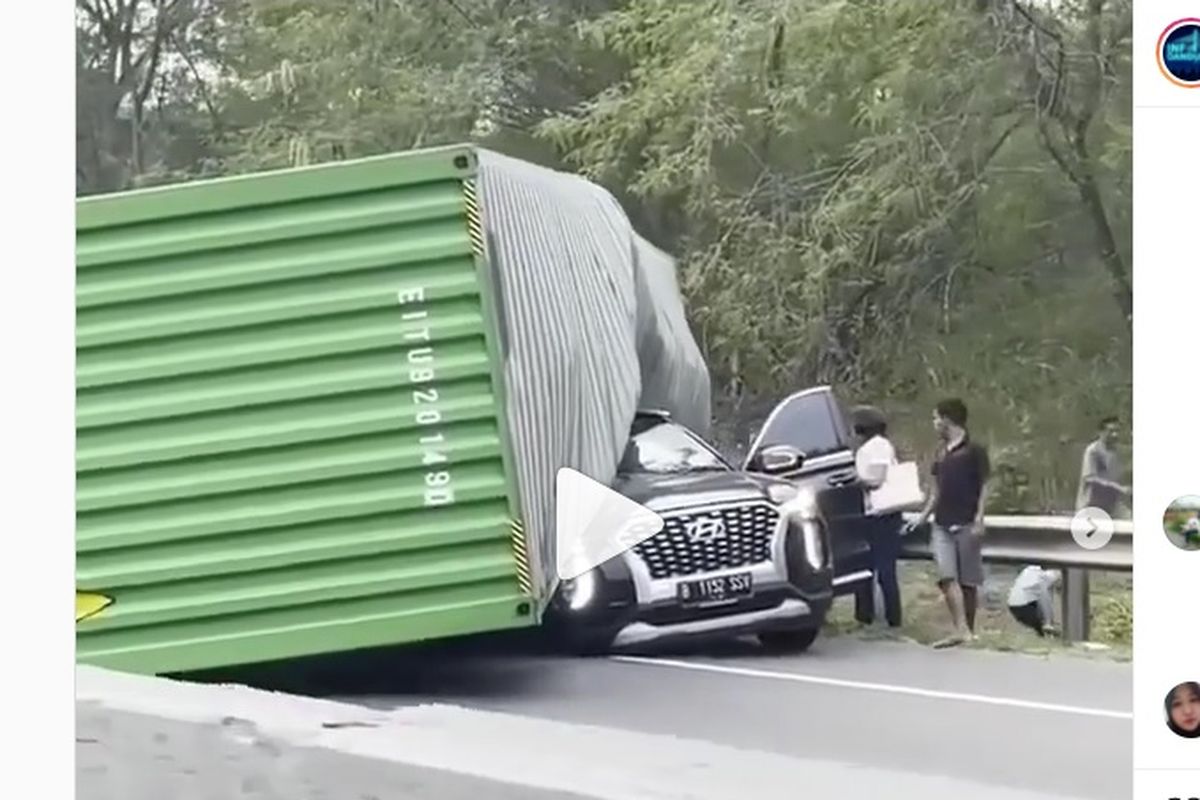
(926, 619)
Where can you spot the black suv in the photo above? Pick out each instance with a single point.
(741, 552)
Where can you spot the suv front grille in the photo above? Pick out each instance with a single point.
(705, 541)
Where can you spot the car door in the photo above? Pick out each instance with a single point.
(812, 421)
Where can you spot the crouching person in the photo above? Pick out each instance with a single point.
(1031, 601)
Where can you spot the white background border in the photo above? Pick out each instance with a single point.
(37, 406)
(1166, 389)
(37, 396)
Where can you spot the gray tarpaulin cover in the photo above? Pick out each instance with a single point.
(593, 328)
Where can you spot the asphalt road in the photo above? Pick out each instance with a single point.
(1059, 726)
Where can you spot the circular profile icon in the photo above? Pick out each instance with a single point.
(1179, 52)
(1181, 522)
(1182, 708)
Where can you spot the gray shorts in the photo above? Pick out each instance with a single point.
(959, 555)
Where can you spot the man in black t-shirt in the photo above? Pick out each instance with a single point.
(956, 503)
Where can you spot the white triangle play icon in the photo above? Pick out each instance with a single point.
(593, 523)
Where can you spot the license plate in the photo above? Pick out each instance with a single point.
(715, 590)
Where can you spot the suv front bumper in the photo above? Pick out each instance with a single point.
(630, 608)
(789, 614)
(774, 605)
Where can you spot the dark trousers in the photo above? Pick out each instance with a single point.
(883, 537)
(1030, 615)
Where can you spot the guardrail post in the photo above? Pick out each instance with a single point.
(1077, 612)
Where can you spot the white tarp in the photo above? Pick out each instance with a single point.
(593, 329)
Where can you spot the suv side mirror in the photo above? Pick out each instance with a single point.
(780, 458)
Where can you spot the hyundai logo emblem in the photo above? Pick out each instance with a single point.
(705, 529)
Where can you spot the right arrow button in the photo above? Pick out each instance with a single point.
(1092, 528)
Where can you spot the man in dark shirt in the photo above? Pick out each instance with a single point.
(957, 503)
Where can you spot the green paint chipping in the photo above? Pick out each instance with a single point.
(290, 429)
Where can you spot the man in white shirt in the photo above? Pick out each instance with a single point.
(874, 456)
(1031, 601)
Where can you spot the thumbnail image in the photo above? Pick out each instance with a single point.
(1182, 708)
(1181, 522)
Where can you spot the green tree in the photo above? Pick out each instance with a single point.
(140, 97)
(881, 196)
(905, 199)
(313, 80)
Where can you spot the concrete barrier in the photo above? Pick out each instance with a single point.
(143, 738)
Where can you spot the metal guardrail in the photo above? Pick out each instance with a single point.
(1046, 541)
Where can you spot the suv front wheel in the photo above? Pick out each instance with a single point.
(793, 641)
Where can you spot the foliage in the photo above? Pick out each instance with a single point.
(907, 199)
(893, 218)
(1113, 621)
(143, 109)
(321, 81)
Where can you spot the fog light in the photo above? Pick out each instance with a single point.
(578, 593)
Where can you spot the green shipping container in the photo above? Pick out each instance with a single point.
(290, 418)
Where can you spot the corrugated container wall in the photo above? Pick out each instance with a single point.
(290, 417)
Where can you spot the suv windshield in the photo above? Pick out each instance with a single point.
(656, 445)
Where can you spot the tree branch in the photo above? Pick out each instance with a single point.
(1092, 88)
(93, 11)
(1037, 24)
(462, 13)
(1059, 157)
(125, 41)
(997, 145)
(201, 84)
(154, 54)
(1074, 156)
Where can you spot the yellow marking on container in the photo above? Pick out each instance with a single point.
(89, 604)
(521, 556)
(474, 218)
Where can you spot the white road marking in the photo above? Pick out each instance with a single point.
(913, 691)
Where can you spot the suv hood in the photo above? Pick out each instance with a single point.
(665, 491)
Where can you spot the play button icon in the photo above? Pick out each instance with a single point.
(1092, 528)
(593, 523)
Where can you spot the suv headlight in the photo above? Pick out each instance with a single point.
(578, 593)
